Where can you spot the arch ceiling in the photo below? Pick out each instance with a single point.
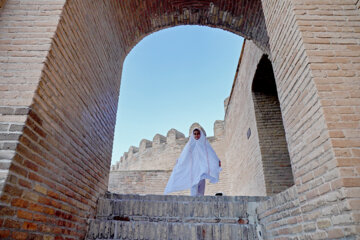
(138, 18)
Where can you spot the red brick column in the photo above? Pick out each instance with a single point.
(27, 28)
(315, 55)
(61, 85)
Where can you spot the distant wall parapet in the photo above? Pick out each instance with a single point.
(161, 153)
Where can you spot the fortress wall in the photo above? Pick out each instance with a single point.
(140, 182)
(243, 155)
(160, 157)
(162, 152)
(152, 162)
(152, 182)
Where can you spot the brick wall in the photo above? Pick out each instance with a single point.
(242, 154)
(63, 157)
(139, 182)
(274, 153)
(331, 41)
(305, 75)
(60, 160)
(23, 49)
(281, 215)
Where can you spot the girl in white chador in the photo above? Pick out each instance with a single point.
(197, 162)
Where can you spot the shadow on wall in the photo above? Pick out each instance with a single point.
(273, 146)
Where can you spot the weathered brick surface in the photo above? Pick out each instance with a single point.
(175, 217)
(330, 31)
(23, 49)
(182, 207)
(67, 74)
(310, 54)
(170, 230)
(154, 182)
(56, 176)
(281, 216)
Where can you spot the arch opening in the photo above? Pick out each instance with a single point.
(275, 157)
(171, 79)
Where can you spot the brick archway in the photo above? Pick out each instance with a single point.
(63, 63)
(56, 176)
(244, 18)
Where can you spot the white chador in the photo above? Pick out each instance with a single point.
(197, 162)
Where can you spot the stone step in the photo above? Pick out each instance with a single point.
(175, 217)
(206, 209)
(116, 196)
(169, 230)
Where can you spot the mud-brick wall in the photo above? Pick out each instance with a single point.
(62, 160)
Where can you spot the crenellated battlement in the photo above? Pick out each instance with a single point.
(144, 144)
(161, 153)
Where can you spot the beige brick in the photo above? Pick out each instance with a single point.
(323, 223)
(313, 46)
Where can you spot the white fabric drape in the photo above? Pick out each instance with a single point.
(197, 161)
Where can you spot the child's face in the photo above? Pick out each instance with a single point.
(196, 134)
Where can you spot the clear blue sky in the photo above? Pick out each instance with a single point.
(173, 78)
